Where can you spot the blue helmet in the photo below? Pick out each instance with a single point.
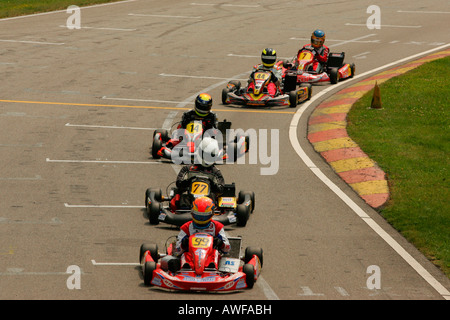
(317, 38)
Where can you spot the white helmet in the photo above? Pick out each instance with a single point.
(208, 152)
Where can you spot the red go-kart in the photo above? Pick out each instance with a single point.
(334, 70)
(203, 267)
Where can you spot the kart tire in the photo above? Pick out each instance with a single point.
(309, 86)
(249, 271)
(334, 75)
(353, 68)
(157, 195)
(242, 215)
(153, 248)
(153, 212)
(250, 251)
(164, 134)
(236, 83)
(225, 95)
(241, 198)
(156, 146)
(293, 99)
(149, 267)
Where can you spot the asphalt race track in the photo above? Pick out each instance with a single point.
(77, 113)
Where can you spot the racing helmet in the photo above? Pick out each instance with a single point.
(208, 151)
(317, 38)
(269, 57)
(203, 104)
(202, 212)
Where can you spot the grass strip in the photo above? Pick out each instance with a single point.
(409, 138)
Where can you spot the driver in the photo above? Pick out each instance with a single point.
(202, 213)
(201, 112)
(319, 50)
(207, 153)
(268, 58)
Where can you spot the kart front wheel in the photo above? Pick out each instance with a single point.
(334, 75)
(156, 146)
(153, 212)
(251, 251)
(225, 95)
(149, 267)
(153, 248)
(293, 99)
(249, 271)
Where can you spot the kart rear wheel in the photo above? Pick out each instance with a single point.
(251, 251)
(242, 215)
(249, 271)
(153, 248)
(149, 267)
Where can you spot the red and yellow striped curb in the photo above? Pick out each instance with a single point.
(327, 132)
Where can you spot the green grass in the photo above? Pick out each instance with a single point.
(12, 8)
(409, 138)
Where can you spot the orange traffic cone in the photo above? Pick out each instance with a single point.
(376, 99)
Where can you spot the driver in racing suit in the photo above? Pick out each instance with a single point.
(202, 213)
(319, 50)
(268, 58)
(207, 148)
(201, 112)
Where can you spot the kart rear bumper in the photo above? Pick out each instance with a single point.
(180, 218)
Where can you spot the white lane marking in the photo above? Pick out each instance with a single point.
(268, 292)
(141, 100)
(163, 16)
(114, 263)
(383, 25)
(103, 28)
(361, 55)
(101, 206)
(342, 291)
(308, 292)
(407, 11)
(65, 10)
(196, 77)
(360, 212)
(103, 161)
(33, 42)
(106, 127)
(352, 40)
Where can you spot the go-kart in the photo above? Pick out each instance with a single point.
(202, 267)
(334, 70)
(229, 209)
(181, 147)
(287, 94)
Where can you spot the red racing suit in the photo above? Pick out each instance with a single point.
(320, 56)
(215, 229)
(274, 81)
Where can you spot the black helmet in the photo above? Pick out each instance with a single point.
(203, 104)
(269, 57)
